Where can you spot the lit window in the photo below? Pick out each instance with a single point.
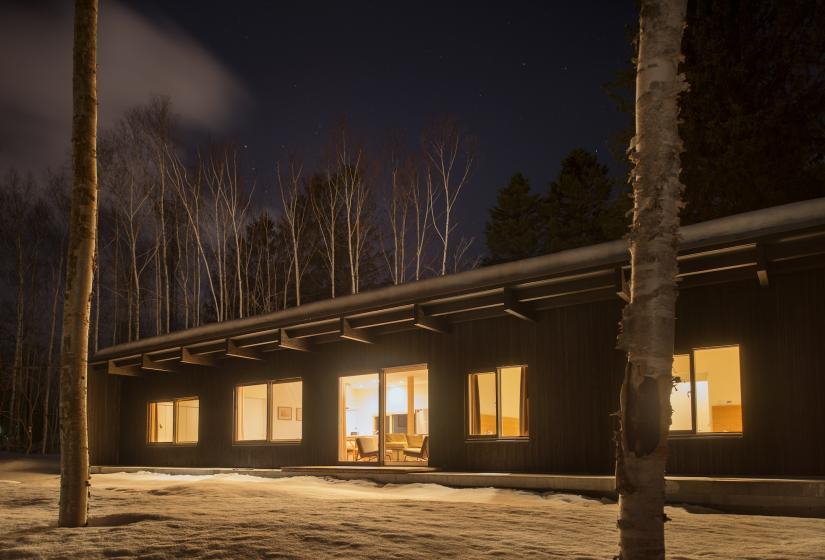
(287, 417)
(707, 396)
(497, 403)
(187, 421)
(174, 421)
(161, 418)
(251, 412)
(271, 411)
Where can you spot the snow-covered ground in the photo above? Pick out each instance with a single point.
(235, 516)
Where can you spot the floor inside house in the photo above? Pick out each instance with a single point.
(231, 515)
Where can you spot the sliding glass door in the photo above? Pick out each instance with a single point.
(384, 417)
(407, 415)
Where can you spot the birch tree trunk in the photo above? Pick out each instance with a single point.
(74, 437)
(648, 322)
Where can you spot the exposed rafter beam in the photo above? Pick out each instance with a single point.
(187, 357)
(233, 350)
(153, 365)
(129, 371)
(762, 265)
(286, 341)
(356, 335)
(520, 310)
(622, 289)
(428, 322)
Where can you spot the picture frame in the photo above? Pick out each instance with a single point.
(299, 414)
(284, 413)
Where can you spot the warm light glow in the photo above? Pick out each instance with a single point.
(287, 411)
(716, 393)
(720, 409)
(187, 420)
(680, 397)
(250, 412)
(161, 418)
(497, 403)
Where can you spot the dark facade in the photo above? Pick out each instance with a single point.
(574, 374)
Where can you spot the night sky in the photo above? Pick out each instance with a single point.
(525, 78)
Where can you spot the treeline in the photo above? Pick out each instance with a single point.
(184, 239)
(583, 205)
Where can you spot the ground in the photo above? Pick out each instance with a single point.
(235, 516)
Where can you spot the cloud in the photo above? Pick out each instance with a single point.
(137, 58)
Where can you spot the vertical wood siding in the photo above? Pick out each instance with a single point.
(574, 374)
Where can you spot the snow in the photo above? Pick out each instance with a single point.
(240, 516)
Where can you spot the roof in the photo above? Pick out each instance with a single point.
(724, 249)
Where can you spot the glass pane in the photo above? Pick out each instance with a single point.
(250, 419)
(161, 416)
(718, 393)
(482, 404)
(188, 420)
(406, 425)
(680, 394)
(358, 419)
(287, 411)
(514, 419)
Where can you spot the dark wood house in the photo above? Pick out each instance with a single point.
(508, 368)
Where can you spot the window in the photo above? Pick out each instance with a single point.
(271, 411)
(287, 420)
(497, 403)
(174, 421)
(706, 396)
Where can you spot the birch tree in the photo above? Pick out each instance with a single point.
(74, 437)
(295, 207)
(450, 154)
(648, 321)
(325, 199)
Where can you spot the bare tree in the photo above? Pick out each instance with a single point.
(398, 212)
(74, 438)
(355, 194)
(648, 322)
(325, 199)
(295, 207)
(450, 154)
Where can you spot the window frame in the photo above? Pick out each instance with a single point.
(497, 437)
(693, 433)
(174, 442)
(269, 404)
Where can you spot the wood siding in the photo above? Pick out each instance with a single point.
(574, 374)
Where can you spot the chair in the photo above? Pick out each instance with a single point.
(367, 448)
(419, 453)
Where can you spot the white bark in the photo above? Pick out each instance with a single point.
(648, 322)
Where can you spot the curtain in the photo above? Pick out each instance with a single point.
(239, 414)
(475, 406)
(524, 420)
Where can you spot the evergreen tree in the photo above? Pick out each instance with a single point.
(578, 210)
(752, 118)
(513, 228)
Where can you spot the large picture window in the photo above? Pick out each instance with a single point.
(706, 396)
(497, 403)
(270, 411)
(174, 421)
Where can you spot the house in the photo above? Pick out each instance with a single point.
(509, 368)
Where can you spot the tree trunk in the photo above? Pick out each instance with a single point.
(74, 437)
(648, 321)
(50, 358)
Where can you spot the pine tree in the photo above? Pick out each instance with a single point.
(578, 210)
(513, 228)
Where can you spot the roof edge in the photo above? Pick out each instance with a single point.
(721, 231)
